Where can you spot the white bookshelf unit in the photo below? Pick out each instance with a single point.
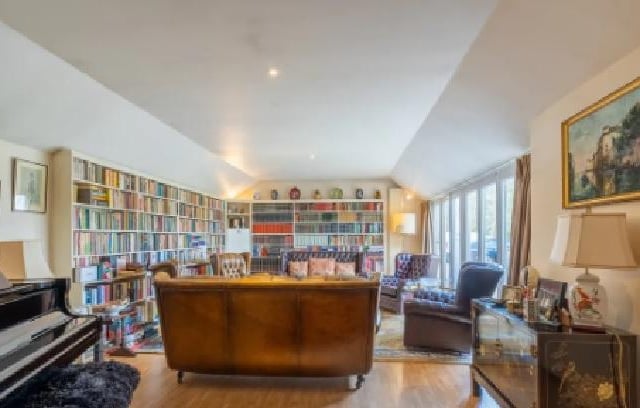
(103, 212)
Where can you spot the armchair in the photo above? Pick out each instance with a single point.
(231, 264)
(409, 269)
(442, 321)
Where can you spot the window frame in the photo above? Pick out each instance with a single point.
(499, 176)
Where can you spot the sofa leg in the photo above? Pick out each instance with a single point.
(359, 381)
(180, 376)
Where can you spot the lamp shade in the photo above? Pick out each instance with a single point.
(593, 241)
(404, 223)
(23, 260)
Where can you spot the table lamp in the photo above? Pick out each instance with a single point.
(23, 260)
(598, 241)
(404, 223)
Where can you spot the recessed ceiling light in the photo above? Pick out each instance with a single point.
(312, 156)
(274, 72)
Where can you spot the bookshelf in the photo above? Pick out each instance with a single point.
(108, 216)
(332, 225)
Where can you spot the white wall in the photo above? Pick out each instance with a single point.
(546, 188)
(47, 103)
(20, 225)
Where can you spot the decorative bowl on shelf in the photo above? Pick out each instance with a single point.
(294, 193)
(336, 193)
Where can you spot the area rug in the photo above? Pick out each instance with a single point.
(93, 385)
(388, 345)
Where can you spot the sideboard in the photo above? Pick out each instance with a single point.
(524, 365)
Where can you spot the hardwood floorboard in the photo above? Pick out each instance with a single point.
(388, 385)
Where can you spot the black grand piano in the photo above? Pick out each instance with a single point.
(38, 331)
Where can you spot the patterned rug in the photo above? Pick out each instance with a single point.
(388, 345)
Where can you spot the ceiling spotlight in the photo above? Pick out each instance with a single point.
(274, 72)
(312, 156)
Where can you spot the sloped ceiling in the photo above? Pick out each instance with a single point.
(356, 77)
(529, 54)
(429, 92)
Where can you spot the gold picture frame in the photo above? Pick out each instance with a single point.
(601, 150)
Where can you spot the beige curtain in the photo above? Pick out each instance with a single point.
(426, 227)
(521, 220)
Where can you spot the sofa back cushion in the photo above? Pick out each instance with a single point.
(322, 266)
(300, 268)
(346, 268)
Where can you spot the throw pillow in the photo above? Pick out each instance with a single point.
(346, 268)
(322, 266)
(298, 268)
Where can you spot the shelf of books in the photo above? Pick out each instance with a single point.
(327, 225)
(108, 221)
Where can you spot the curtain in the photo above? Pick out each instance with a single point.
(521, 220)
(426, 227)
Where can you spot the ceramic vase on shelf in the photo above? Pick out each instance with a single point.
(377, 195)
(274, 194)
(359, 193)
(336, 193)
(294, 193)
(317, 195)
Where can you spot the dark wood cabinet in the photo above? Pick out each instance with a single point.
(525, 365)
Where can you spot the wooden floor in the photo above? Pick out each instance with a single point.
(388, 385)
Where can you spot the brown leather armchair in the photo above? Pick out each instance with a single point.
(409, 269)
(442, 321)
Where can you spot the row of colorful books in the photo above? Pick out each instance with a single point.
(341, 228)
(133, 290)
(191, 225)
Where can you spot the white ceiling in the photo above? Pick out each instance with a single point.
(357, 77)
(528, 55)
(430, 92)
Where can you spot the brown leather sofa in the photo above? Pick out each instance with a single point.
(269, 325)
(443, 320)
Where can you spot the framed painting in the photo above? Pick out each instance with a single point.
(601, 150)
(29, 186)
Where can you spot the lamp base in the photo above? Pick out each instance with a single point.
(587, 302)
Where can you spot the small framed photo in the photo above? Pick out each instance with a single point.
(29, 186)
(511, 293)
(550, 295)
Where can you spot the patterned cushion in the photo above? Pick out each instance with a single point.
(233, 267)
(403, 266)
(298, 268)
(346, 268)
(322, 266)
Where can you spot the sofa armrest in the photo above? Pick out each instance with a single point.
(435, 309)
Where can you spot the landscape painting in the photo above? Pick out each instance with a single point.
(601, 150)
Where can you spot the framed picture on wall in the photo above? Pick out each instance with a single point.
(29, 186)
(601, 150)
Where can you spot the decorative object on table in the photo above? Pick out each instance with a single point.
(596, 241)
(359, 193)
(256, 195)
(512, 293)
(550, 295)
(294, 193)
(316, 194)
(529, 277)
(377, 195)
(274, 194)
(599, 150)
(112, 313)
(336, 193)
(91, 385)
(530, 310)
(29, 187)
(23, 260)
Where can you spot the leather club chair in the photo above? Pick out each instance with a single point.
(409, 269)
(438, 321)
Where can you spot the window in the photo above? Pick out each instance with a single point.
(446, 254)
(473, 223)
(471, 219)
(456, 244)
(489, 224)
